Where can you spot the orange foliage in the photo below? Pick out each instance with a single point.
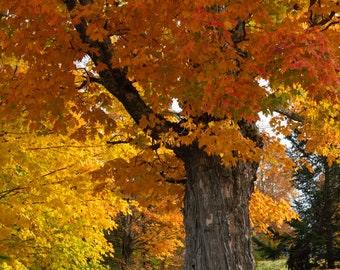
(108, 71)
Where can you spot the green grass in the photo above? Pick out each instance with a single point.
(271, 265)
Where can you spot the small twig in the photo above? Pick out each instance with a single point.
(3, 194)
(57, 170)
(64, 146)
(118, 142)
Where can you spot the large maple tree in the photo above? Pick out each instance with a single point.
(63, 61)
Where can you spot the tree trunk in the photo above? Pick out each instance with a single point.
(330, 198)
(216, 213)
(127, 241)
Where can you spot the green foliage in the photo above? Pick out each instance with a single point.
(268, 248)
(315, 241)
(314, 238)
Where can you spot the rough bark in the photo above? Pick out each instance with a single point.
(216, 213)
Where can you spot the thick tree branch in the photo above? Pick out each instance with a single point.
(176, 181)
(291, 115)
(116, 82)
(115, 79)
(250, 131)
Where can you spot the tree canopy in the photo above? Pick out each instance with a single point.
(107, 72)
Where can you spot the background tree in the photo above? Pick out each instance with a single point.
(149, 237)
(207, 54)
(316, 236)
(273, 195)
(312, 241)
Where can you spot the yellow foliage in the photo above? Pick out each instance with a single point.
(264, 211)
(50, 215)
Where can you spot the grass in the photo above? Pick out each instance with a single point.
(271, 265)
